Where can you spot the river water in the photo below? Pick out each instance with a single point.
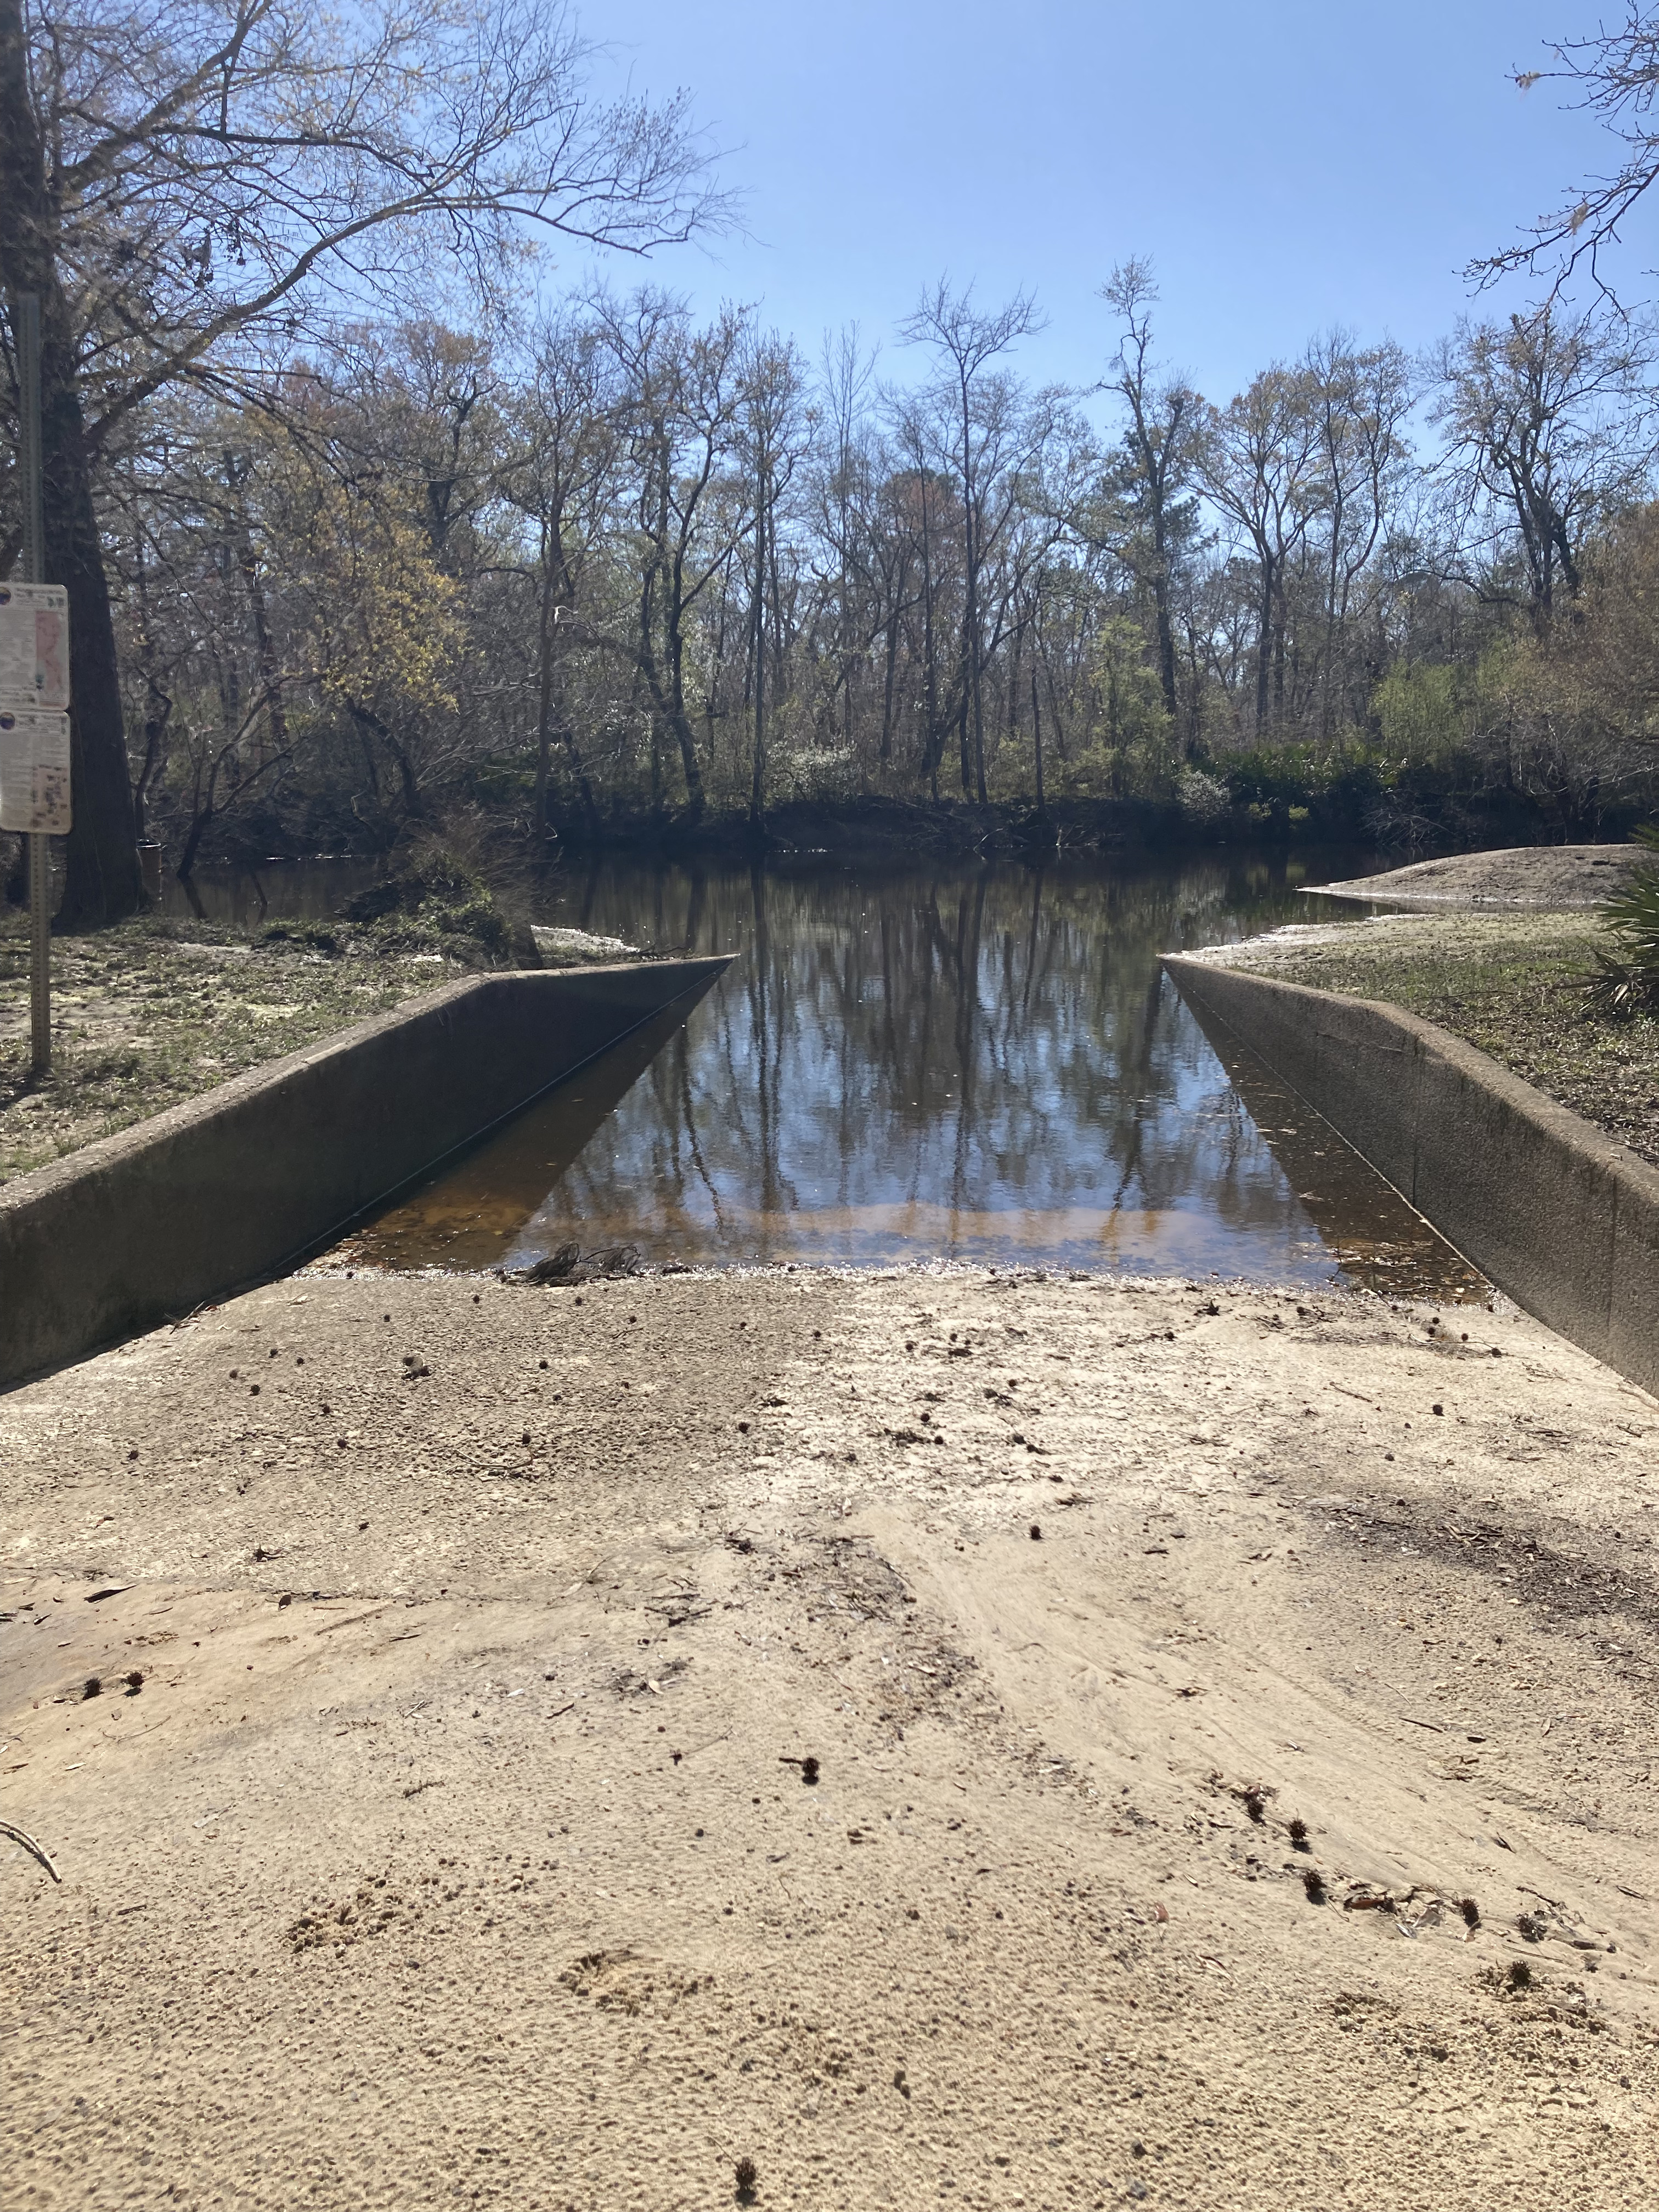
(930, 1062)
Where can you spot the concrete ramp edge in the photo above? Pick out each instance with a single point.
(181, 1209)
(1559, 1215)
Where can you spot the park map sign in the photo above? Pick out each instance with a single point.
(35, 731)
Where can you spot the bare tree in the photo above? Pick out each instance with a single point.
(1161, 441)
(1263, 468)
(844, 382)
(560, 476)
(771, 442)
(1363, 397)
(922, 499)
(1615, 73)
(187, 185)
(1550, 427)
(679, 397)
(967, 342)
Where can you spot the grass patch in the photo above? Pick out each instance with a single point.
(1511, 984)
(156, 1010)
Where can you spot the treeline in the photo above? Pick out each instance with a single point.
(357, 542)
(629, 566)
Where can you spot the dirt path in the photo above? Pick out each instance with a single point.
(450, 1849)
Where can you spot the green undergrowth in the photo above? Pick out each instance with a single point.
(1514, 985)
(1626, 978)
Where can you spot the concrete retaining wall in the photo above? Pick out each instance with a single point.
(185, 1207)
(1563, 1217)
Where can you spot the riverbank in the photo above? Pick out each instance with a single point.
(150, 1013)
(1267, 802)
(155, 1012)
(1549, 879)
(456, 1837)
(1508, 983)
(1251, 803)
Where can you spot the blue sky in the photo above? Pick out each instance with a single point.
(1288, 165)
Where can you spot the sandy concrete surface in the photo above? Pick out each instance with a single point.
(449, 1849)
(1510, 984)
(1312, 953)
(1556, 878)
(575, 948)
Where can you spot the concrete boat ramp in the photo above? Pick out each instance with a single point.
(1232, 1719)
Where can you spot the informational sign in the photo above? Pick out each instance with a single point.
(35, 771)
(34, 667)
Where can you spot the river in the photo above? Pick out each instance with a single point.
(931, 1062)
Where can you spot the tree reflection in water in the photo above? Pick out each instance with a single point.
(981, 1064)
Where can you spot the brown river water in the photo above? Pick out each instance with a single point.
(931, 1062)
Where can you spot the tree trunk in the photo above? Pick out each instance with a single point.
(1155, 466)
(367, 719)
(970, 637)
(201, 812)
(186, 867)
(757, 780)
(1166, 652)
(888, 675)
(1264, 646)
(158, 703)
(102, 880)
(264, 646)
(550, 581)
(936, 728)
(684, 734)
(674, 628)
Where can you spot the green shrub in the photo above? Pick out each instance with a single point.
(434, 903)
(1418, 713)
(1625, 980)
(1202, 798)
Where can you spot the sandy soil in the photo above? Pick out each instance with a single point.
(1557, 878)
(450, 1848)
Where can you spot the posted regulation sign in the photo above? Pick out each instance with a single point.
(35, 771)
(35, 731)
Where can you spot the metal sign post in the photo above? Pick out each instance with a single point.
(35, 751)
(40, 955)
(34, 562)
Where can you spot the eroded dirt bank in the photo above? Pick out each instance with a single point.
(449, 1851)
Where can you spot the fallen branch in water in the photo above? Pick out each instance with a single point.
(570, 1264)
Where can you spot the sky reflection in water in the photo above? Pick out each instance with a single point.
(982, 1063)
